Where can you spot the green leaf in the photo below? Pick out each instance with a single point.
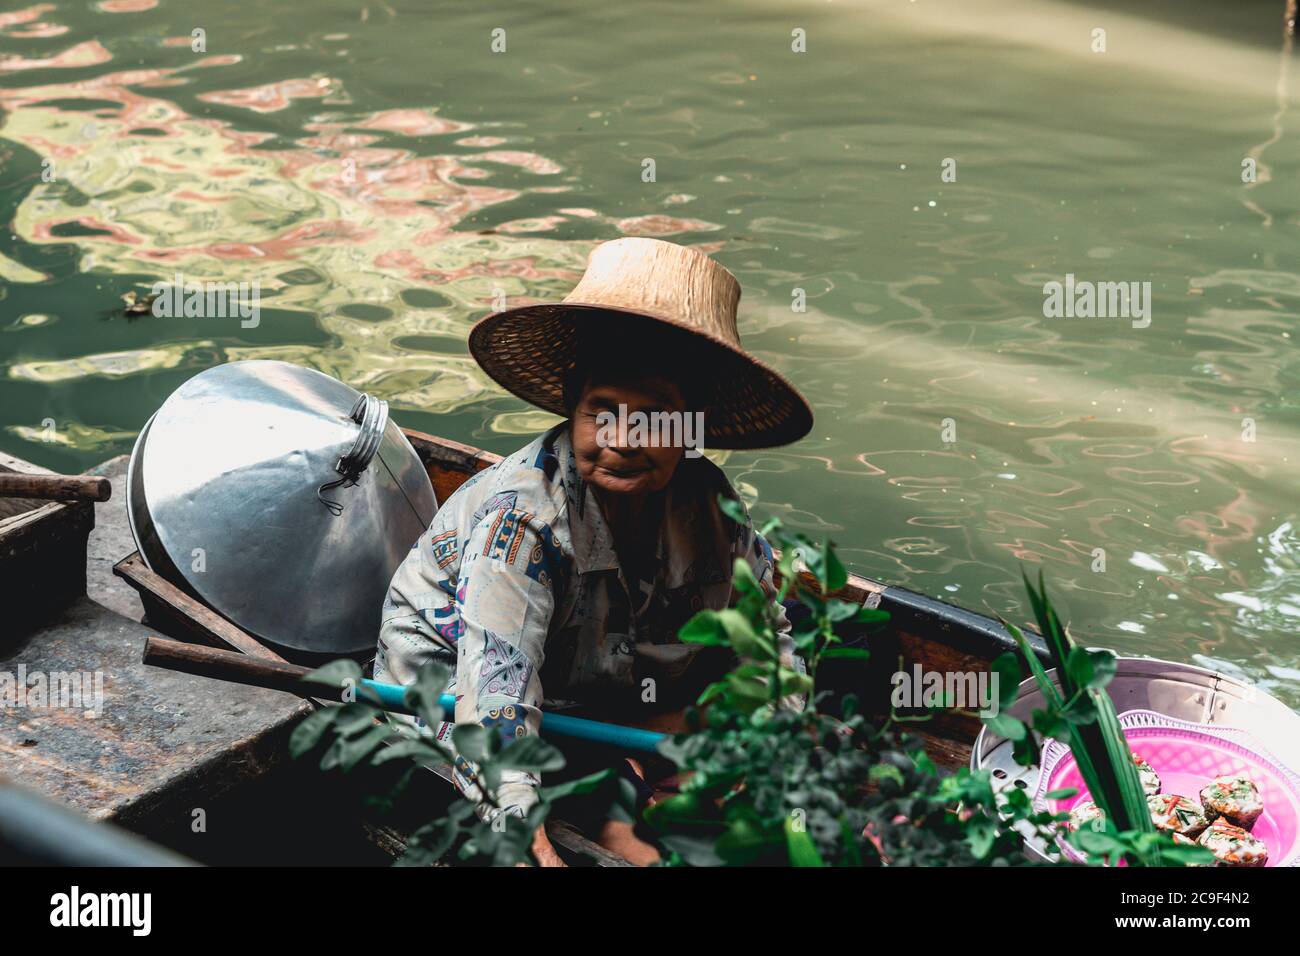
(354, 718)
(1007, 668)
(836, 574)
(703, 628)
(823, 564)
(1025, 752)
(1051, 725)
(1091, 668)
(410, 749)
(353, 751)
(742, 841)
(837, 610)
(429, 685)
(1096, 842)
(531, 754)
(474, 741)
(745, 689)
(428, 844)
(1104, 666)
(689, 809)
(1080, 711)
(742, 637)
(335, 676)
(1004, 725)
(1045, 685)
(884, 771)
(743, 580)
(1058, 644)
(925, 764)
(981, 835)
(711, 693)
(793, 682)
(733, 509)
(1178, 855)
(785, 565)
(871, 615)
(694, 850)
(800, 847)
(309, 732)
(846, 653)
(580, 787)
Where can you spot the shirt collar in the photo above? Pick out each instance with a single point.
(593, 543)
(693, 539)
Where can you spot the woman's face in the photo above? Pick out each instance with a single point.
(626, 465)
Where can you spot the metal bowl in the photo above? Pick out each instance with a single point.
(1181, 691)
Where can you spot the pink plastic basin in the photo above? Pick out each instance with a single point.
(1188, 757)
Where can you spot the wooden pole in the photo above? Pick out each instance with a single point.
(278, 675)
(55, 487)
(231, 666)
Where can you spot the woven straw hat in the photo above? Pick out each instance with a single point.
(641, 288)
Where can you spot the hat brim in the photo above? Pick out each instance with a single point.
(528, 349)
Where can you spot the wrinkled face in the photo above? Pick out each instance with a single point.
(616, 468)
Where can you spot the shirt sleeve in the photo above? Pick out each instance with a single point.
(419, 620)
(506, 593)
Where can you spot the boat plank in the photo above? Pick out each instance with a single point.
(191, 616)
(163, 740)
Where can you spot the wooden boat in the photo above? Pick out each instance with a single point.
(921, 632)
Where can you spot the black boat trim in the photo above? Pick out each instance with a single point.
(966, 631)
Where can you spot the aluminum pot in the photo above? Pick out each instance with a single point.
(1183, 691)
(281, 498)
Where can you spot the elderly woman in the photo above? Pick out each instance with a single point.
(566, 569)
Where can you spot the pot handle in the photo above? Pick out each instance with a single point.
(372, 415)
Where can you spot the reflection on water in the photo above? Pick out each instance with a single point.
(384, 177)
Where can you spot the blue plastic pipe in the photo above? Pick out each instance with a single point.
(393, 697)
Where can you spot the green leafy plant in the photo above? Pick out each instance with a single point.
(358, 735)
(769, 777)
(1080, 712)
(771, 780)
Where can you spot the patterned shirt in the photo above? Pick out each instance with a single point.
(518, 582)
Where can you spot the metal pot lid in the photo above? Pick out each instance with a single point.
(281, 498)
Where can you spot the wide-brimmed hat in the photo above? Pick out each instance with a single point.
(639, 289)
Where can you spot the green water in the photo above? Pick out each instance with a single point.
(383, 174)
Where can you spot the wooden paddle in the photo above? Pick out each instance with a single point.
(279, 675)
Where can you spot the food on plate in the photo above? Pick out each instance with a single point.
(1177, 814)
(1086, 814)
(1150, 779)
(1235, 798)
(1233, 846)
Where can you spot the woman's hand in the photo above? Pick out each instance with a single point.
(543, 851)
